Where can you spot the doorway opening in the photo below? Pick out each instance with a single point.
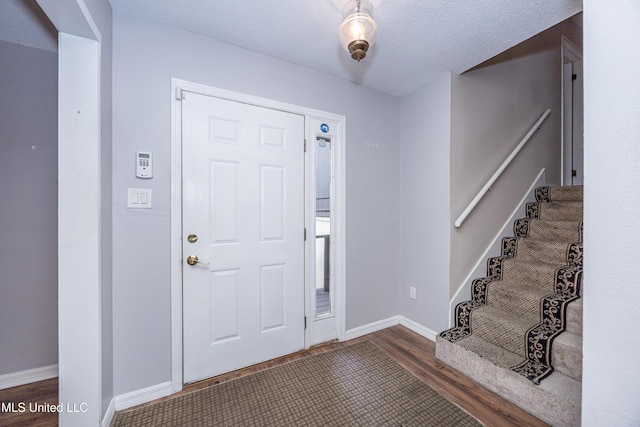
(272, 215)
(29, 190)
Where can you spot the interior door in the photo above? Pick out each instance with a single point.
(577, 146)
(567, 123)
(572, 115)
(243, 234)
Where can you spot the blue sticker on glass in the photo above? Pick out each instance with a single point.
(324, 128)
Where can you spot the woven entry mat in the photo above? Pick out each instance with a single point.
(356, 385)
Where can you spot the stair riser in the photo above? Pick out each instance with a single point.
(555, 211)
(567, 355)
(554, 230)
(558, 211)
(574, 318)
(567, 193)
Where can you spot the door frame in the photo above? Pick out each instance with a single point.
(80, 219)
(176, 264)
(321, 328)
(570, 54)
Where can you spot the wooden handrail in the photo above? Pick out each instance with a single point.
(501, 169)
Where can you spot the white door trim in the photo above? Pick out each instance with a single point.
(79, 210)
(570, 54)
(323, 328)
(176, 208)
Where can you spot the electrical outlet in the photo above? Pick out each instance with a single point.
(412, 292)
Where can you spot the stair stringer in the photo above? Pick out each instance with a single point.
(494, 249)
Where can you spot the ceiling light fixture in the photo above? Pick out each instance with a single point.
(358, 29)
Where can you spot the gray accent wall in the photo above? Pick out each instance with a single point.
(424, 191)
(146, 56)
(493, 107)
(29, 207)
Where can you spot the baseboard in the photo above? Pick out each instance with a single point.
(138, 397)
(29, 376)
(372, 327)
(389, 322)
(148, 394)
(108, 416)
(418, 328)
(479, 269)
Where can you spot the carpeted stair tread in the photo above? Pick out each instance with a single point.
(491, 352)
(525, 315)
(566, 193)
(532, 273)
(567, 355)
(564, 231)
(549, 252)
(502, 328)
(516, 298)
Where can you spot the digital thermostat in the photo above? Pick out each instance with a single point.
(144, 164)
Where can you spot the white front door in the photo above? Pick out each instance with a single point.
(243, 218)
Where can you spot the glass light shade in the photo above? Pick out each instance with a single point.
(358, 29)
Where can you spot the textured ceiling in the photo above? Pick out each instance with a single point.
(418, 40)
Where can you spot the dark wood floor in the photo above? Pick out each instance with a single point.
(35, 393)
(412, 351)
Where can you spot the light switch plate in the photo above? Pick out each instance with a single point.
(139, 198)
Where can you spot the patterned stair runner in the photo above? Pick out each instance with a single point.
(518, 309)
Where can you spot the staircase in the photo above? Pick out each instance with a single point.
(527, 305)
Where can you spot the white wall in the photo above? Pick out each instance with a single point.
(28, 217)
(493, 107)
(611, 371)
(424, 192)
(146, 57)
(101, 13)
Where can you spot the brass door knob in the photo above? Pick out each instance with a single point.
(193, 260)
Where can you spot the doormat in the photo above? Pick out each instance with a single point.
(356, 385)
